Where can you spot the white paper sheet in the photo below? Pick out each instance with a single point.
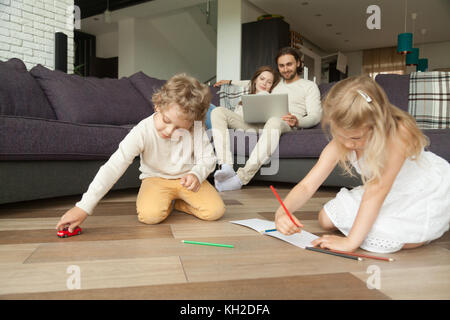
(301, 240)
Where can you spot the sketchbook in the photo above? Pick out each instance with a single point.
(301, 240)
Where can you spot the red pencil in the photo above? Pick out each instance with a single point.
(285, 209)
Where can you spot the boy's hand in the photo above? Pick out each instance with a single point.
(190, 182)
(72, 218)
(284, 224)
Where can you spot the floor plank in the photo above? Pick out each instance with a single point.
(26, 278)
(341, 286)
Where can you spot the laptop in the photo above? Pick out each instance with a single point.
(258, 108)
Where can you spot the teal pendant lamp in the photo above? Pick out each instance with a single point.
(405, 40)
(422, 65)
(404, 43)
(412, 59)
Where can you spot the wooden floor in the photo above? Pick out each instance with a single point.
(119, 258)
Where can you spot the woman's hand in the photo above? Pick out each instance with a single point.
(72, 218)
(190, 182)
(285, 225)
(290, 119)
(221, 82)
(335, 243)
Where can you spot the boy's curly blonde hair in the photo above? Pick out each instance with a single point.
(192, 96)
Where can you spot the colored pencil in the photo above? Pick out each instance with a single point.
(334, 253)
(270, 230)
(208, 244)
(284, 207)
(364, 255)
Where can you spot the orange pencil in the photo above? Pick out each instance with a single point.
(282, 204)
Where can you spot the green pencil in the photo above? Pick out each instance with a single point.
(209, 244)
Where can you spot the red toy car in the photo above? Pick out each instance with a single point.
(65, 232)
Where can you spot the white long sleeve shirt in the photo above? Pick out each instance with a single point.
(191, 153)
(304, 101)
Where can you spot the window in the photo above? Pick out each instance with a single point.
(383, 61)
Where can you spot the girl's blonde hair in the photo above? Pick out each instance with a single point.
(192, 96)
(360, 103)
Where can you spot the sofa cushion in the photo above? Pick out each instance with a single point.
(147, 85)
(24, 138)
(20, 94)
(306, 143)
(92, 100)
(396, 87)
(324, 88)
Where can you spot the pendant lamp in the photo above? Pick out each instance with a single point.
(404, 40)
(412, 59)
(422, 65)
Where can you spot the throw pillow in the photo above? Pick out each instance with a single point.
(92, 100)
(20, 94)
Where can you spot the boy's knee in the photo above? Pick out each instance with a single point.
(212, 212)
(152, 216)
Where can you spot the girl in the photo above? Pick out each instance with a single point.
(404, 201)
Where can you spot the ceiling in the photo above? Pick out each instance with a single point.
(334, 25)
(91, 8)
(330, 25)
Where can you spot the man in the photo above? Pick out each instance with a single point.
(305, 111)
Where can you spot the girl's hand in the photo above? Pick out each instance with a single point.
(290, 119)
(72, 218)
(190, 182)
(221, 82)
(335, 243)
(284, 224)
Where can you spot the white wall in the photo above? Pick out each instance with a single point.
(163, 45)
(107, 45)
(28, 27)
(229, 34)
(438, 55)
(354, 63)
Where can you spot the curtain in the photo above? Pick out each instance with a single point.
(383, 60)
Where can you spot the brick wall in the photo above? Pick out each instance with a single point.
(28, 27)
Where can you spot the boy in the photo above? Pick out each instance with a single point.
(173, 165)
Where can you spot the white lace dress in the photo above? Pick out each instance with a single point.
(417, 208)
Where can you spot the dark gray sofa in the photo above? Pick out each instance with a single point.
(56, 130)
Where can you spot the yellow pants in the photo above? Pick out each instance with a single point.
(154, 200)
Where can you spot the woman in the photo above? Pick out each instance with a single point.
(222, 119)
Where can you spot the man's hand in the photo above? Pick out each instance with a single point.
(221, 82)
(190, 182)
(72, 218)
(290, 119)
